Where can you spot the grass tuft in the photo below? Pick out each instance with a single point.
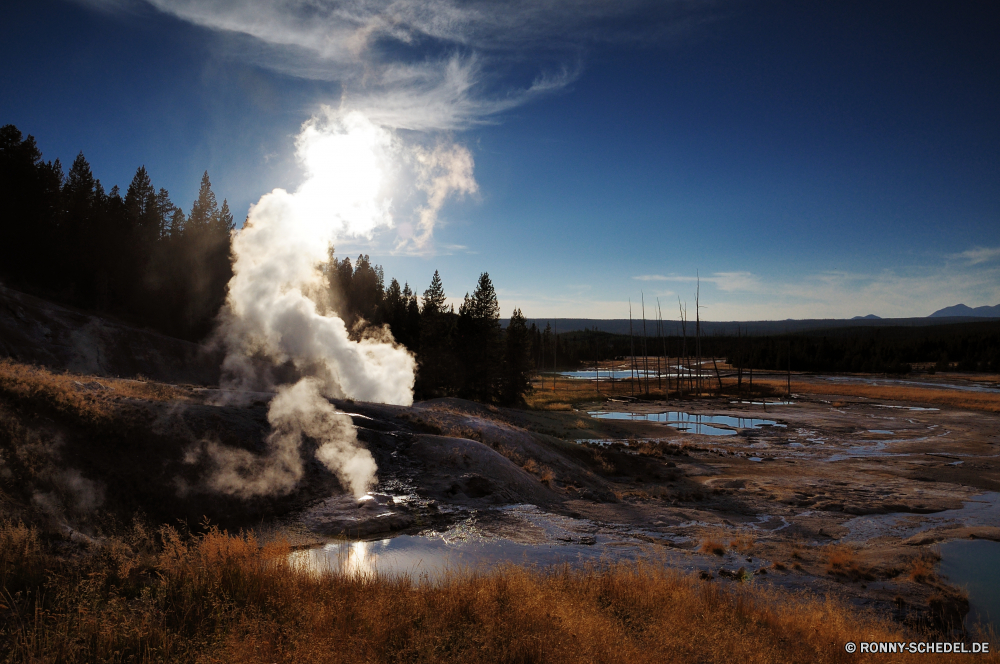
(157, 595)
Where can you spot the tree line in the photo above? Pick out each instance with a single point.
(463, 353)
(135, 255)
(140, 257)
(971, 346)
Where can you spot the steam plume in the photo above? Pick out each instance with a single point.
(297, 410)
(269, 317)
(442, 172)
(403, 65)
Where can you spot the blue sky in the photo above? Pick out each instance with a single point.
(805, 159)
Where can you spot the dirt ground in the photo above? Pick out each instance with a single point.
(843, 495)
(833, 494)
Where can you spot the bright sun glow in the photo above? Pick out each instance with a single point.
(345, 160)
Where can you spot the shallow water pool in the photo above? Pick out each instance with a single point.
(975, 565)
(432, 558)
(702, 424)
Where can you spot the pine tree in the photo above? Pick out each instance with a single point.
(75, 244)
(367, 290)
(434, 296)
(177, 223)
(164, 212)
(224, 223)
(479, 334)
(517, 361)
(393, 309)
(437, 373)
(205, 209)
(411, 319)
(30, 191)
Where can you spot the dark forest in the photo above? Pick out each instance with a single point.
(138, 256)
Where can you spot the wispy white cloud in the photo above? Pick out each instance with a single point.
(835, 294)
(908, 291)
(735, 281)
(978, 255)
(429, 64)
(724, 281)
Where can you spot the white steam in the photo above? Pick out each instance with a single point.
(404, 66)
(277, 253)
(297, 410)
(442, 172)
(270, 321)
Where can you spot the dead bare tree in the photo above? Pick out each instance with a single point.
(631, 341)
(597, 361)
(663, 343)
(718, 376)
(788, 383)
(645, 352)
(739, 364)
(697, 328)
(684, 339)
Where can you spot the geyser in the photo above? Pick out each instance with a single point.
(269, 320)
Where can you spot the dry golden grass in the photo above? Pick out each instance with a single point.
(157, 597)
(84, 395)
(713, 546)
(743, 542)
(842, 560)
(921, 570)
(989, 402)
(566, 393)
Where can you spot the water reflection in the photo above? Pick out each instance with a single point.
(975, 565)
(617, 374)
(690, 422)
(431, 558)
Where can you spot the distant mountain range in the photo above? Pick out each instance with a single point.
(957, 314)
(962, 310)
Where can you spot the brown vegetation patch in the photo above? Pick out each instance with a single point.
(985, 401)
(713, 546)
(161, 596)
(842, 561)
(744, 543)
(82, 395)
(922, 568)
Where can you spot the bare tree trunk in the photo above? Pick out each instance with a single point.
(683, 358)
(663, 348)
(645, 352)
(631, 341)
(697, 328)
(597, 362)
(739, 364)
(659, 333)
(788, 384)
(555, 353)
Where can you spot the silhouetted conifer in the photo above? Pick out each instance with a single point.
(479, 342)
(516, 380)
